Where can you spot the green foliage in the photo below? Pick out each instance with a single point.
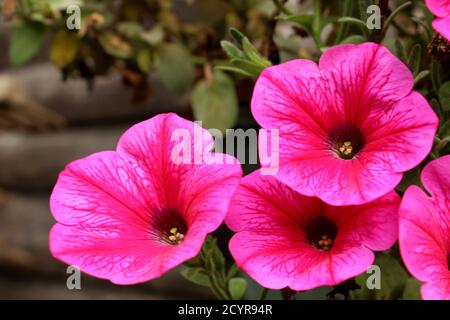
(215, 102)
(246, 60)
(64, 48)
(26, 41)
(174, 66)
(393, 281)
(444, 96)
(197, 276)
(237, 287)
(209, 269)
(412, 290)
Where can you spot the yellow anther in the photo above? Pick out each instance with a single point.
(175, 236)
(346, 148)
(324, 243)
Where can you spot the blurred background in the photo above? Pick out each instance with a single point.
(65, 94)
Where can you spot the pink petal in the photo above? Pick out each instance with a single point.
(425, 229)
(440, 8)
(374, 224)
(104, 188)
(270, 242)
(442, 26)
(401, 137)
(121, 254)
(286, 94)
(366, 76)
(422, 242)
(198, 188)
(437, 289)
(276, 261)
(435, 177)
(339, 182)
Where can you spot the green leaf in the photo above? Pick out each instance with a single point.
(59, 5)
(197, 276)
(231, 50)
(436, 75)
(216, 103)
(400, 50)
(436, 107)
(354, 21)
(130, 29)
(317, 24)
(410, 177)
(363, 5)
(26, 41)
(394, 13)
(281, 7)
(154, 36)
(237, 288)
(354, 39)
(211, 249)
(232, 271)
(422, 75)
(248, 66)
(237, 35)
(64, 48)
(412, 290)
(305, 20)
(444, 130)
(426, 27)
(144, 60)
(235, 70)
(393, 280)
(444, 95)
(346, 6)
(253, 54)
(116, 46)
(414, 59)
(175, 68)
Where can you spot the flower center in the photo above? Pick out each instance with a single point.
(346, 141)
(320, 232)
(324, 243)
(175, 237)
(168, 226)
(345, 149)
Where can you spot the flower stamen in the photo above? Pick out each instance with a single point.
(175, 237)
(324, 243)
(346, 148)
(346, 141)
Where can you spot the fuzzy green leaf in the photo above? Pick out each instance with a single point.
(237, 288)
(215, 103)
(26, 41)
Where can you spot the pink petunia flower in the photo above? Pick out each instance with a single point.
(441, 9)
(285, 239)
(349, 127)
(424, 236)
(131, 215)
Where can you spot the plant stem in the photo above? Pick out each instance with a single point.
(343, 27)
(263, 295)
(316, 28)
(280, 6)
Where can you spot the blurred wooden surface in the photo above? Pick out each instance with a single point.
(30, 162)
